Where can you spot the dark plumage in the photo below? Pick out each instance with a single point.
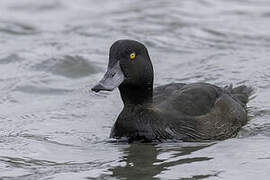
(188, 112)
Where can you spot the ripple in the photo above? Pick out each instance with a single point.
(68, 66)
(11, 59)
(17, 28)
(34, 89)
(44, 139)
(35, 6)
(37, 168)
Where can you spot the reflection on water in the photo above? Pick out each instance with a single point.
(52, 52)
(138, 162)
(143, 161)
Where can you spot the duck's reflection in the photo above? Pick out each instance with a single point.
(141, 161)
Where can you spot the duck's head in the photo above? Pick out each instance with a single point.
(129, 66)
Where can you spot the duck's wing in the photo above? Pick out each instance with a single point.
(198, 98)
(191, 99)
(161, 93)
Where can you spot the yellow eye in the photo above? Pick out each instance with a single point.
(132, 55)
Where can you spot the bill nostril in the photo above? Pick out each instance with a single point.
(112, 74)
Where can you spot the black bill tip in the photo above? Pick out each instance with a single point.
(98, 88)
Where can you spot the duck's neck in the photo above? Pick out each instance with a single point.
(136, 95)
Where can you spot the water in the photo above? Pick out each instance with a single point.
(52, 52)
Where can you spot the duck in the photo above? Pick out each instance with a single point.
(192, 112)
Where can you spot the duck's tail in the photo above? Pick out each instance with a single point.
(242, 94)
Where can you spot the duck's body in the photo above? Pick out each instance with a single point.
(188, 112)
(193, 112)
